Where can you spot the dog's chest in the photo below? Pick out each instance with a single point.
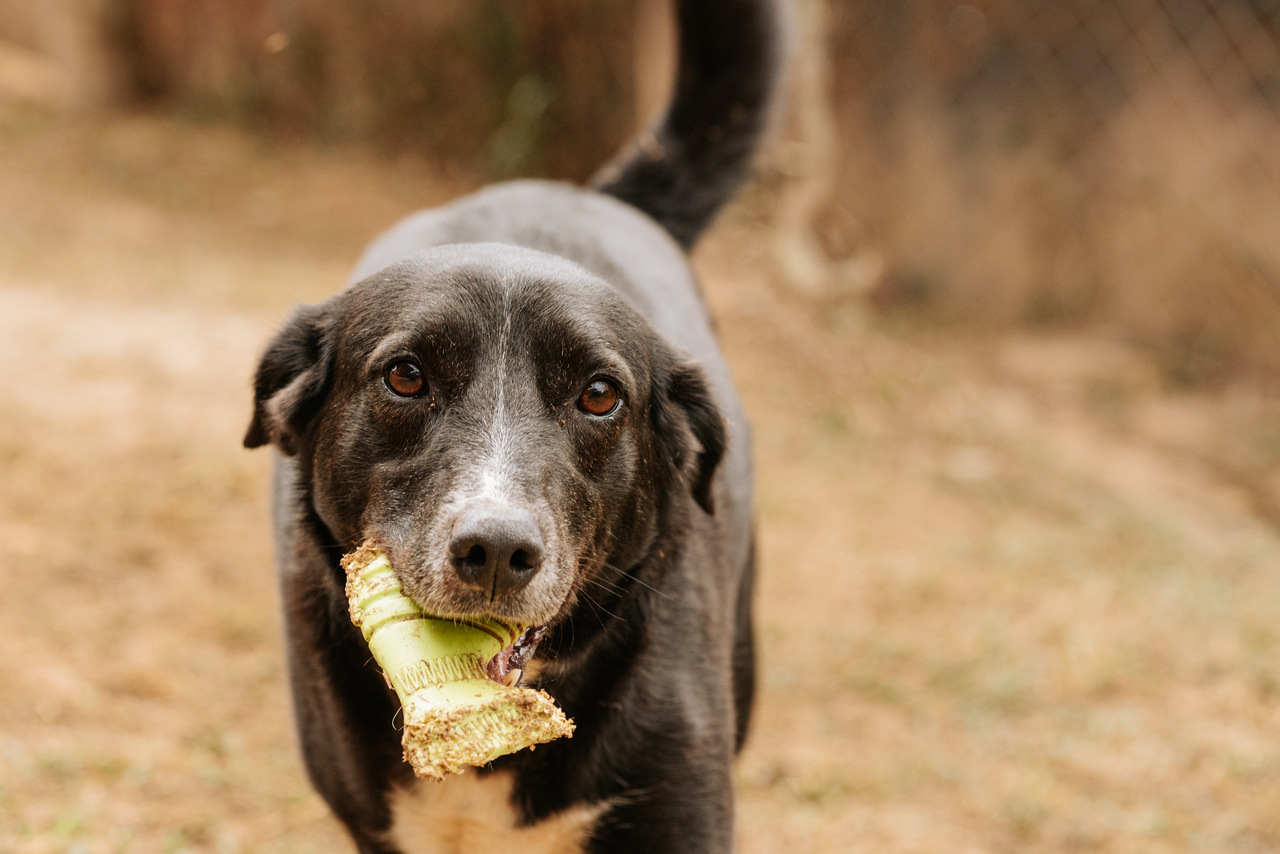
(470, 813)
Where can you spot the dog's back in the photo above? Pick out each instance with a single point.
(680, 172)
(683, 170)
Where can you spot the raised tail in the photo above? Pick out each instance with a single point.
(682, 171)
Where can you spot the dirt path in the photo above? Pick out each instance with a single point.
(1015, 596)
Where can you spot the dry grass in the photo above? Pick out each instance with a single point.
(1015, 595)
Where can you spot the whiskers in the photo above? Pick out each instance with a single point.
(617, 588)
(597, 606)
(606, 587)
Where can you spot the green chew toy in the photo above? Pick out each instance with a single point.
(455, 716)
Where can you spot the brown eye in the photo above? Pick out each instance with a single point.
(405, 379)
(599, 398)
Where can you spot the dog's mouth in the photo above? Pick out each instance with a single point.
(508, 666)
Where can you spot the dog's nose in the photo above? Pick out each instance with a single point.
(496, 550)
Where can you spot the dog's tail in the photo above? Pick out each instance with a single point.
(684, 169)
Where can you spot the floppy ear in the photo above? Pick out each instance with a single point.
(292, 379)
(691, 427)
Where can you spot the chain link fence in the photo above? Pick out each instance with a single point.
(1077, 162)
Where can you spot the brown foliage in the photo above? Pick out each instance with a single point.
(1058, 164)
(511, 88)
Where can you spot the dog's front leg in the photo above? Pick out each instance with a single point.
(345, 713)
(688, 811)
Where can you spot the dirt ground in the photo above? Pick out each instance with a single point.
(1015, 596)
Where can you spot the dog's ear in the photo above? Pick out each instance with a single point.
(689, 423)
(292, 378)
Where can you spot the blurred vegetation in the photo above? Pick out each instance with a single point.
(1060, 165)
(493, 86)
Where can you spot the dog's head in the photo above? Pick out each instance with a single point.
(501, 422)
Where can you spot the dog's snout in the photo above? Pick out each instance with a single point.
(496, 550)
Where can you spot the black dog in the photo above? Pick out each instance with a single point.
(520, 398)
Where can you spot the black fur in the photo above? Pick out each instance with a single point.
(684, 170)
(511, 302)
(292, 376)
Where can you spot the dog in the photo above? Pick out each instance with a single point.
(519, 398)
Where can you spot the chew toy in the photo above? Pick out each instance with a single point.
(455, 714)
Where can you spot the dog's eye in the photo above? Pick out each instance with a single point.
(599, 398)
(405, 378)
